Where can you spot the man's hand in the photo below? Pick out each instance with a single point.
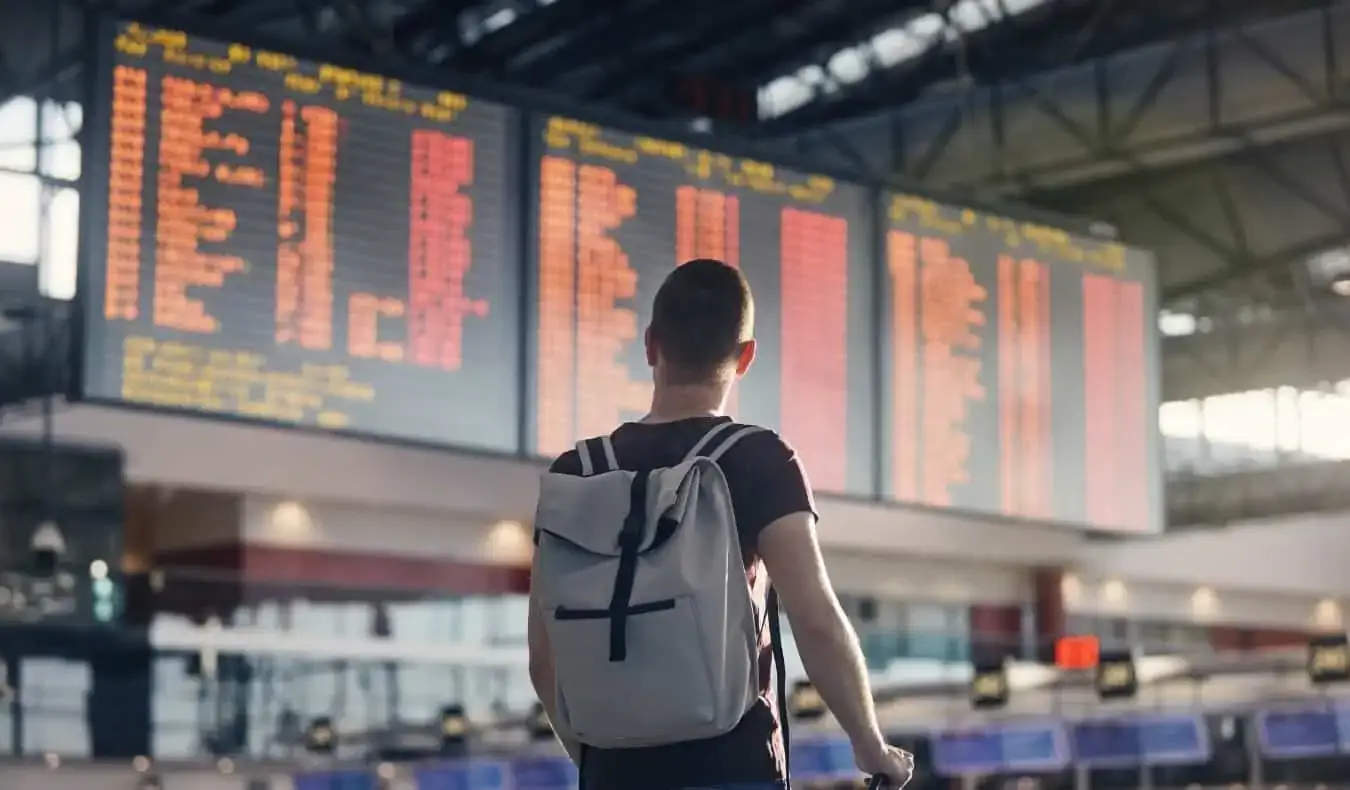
(897, 765)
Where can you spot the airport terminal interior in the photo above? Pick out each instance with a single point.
(299, 297)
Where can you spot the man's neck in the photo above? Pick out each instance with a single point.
(671, 403)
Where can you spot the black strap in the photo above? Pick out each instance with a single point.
(595, 448)
(630, 543)
(780, 670)
(720, 444)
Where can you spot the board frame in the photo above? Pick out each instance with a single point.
(527, 107)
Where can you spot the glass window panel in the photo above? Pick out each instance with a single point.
(53, 693)
(1288, 427)
(929, 632)
(18, 130)
(1241, 418)
(1325, 424)
(1180, 419)
(60, 155)
(57, 275)
(20, 212)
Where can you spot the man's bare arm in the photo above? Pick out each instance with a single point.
(825, 639)
(543, 674)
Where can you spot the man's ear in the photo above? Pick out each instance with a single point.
(746, 358)
(651, 347)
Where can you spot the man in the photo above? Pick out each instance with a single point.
(699, 341)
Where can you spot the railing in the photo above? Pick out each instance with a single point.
(212, 666)
(179, 598)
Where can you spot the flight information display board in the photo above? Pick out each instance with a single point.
(289, 241)
(617, 211)
(1020, 371)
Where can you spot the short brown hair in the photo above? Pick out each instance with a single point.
(702, 314)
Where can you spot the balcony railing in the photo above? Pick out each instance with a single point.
(180, 664)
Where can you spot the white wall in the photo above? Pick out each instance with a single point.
(375, 497)
(400, 532)
(198, 453)
(1301, 555)
(1124, 597)
(407, 532)
(913, 578)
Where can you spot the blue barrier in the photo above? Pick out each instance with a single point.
(1148, 739)
(1321, 730)
(1025, 746)
(471, 774)
(336, 780)
(825, 760)
(1021, 747)
(543, 773)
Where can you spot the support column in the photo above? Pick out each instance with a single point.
(1048, 611)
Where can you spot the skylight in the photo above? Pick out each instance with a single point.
(885, 50)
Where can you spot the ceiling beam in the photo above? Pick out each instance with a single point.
(861, 20)
(493, 50)
(627, 27)
(722, 26)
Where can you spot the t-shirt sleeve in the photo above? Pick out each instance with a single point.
(767, 481)
(569, 463)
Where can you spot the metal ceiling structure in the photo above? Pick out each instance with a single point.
(618, 52)
(1216, 132)
(1224, 147)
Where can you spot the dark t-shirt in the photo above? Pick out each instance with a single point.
(767, 482)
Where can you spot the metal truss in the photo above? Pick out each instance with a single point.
(1197, 500)
(1128, 120)
(620, 53)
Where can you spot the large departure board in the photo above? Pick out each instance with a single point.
(617, 211)
(1020, 370)
(291, 241)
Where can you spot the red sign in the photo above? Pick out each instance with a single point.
(1077, 652)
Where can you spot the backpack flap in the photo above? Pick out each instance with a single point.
(632, 578)
(680, 495)
(585, 512)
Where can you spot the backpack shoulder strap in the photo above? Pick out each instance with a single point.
(717, 440)
(780, 671)
(597, 456)
(727, 442)
(699, 447)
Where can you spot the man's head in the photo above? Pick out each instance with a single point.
(702, 329)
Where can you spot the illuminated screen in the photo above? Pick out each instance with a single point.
(1020, 371)
(336, 780)
(1306, 732)
(1163, 739)
(1024, 747)
(463, 775)
(543, 773)
(289, 241)
(823, 760)
(616, 212)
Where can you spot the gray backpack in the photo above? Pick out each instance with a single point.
(644, 592)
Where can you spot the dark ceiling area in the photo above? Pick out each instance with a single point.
(627, 54)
